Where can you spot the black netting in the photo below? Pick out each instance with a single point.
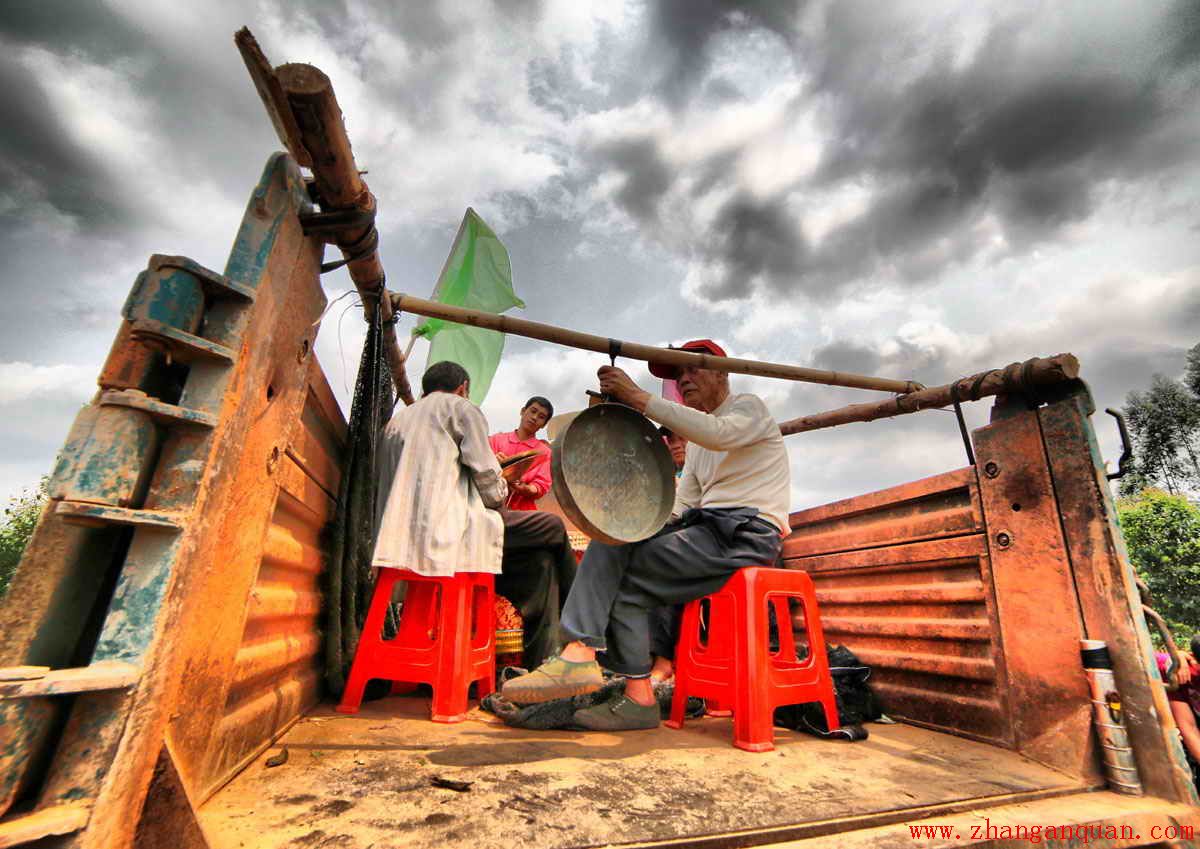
(352, 534)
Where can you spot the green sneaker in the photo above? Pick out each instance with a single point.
(554, 679)
(618, 714)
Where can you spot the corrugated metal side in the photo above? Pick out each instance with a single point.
(276, 674)
(903, 580)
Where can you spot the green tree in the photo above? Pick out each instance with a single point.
(20, 518)
(1191, 378)
(1162, 533)
(1164, 423)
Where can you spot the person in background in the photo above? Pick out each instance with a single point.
(677, 445)
(1185, 703)
(535, 483)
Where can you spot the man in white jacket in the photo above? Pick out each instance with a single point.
(440, 495)
(731, 511)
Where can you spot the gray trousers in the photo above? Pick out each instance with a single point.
(538, 571)
(617, 587)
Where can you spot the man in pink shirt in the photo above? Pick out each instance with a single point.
(535, 483)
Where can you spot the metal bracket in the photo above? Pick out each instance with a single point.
(1126, 446)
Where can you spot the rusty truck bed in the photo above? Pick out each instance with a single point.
(365, 780)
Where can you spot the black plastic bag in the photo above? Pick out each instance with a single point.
(855, 701)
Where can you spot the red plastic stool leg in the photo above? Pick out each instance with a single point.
(454, 649)
(753, 725)
(818, 655)
(364, 655)
(689, 635)
(483, 632)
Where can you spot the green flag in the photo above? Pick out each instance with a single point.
(477, 275)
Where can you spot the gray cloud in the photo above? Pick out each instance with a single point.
(752, 239)
(646, 175)
(681, 32)
(1029, 133)
(41, 163)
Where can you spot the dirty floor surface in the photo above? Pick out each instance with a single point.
(354, 782)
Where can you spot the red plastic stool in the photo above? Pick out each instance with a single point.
(736, 667)
(436, 643)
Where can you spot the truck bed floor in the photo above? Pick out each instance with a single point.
(365, 780)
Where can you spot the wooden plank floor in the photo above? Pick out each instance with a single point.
(362, 781)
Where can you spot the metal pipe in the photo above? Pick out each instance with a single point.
(1109, 718)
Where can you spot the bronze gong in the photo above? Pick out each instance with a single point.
(613, 474)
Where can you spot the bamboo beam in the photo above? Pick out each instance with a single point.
(1013, 378)
(340, 186)
(300, 101)
(635, 351)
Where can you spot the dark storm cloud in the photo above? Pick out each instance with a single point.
(1181, 30)
(1029, 134)
(1031, 145)
(40, 162)
(647, 176)
(87, 25)
(684, 29)
(754, 239)
(201, 126)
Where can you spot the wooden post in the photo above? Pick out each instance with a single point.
(1010, 379)
(302, 106)
(649, 353)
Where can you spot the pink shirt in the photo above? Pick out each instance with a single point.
(538, 474)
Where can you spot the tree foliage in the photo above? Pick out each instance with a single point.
(19, 520)
(1164, 424)
(1162, 533)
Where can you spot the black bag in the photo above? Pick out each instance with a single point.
(855, 701)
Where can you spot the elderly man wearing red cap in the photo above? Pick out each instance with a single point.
(731, 511)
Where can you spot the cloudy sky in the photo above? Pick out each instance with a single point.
(912, 189)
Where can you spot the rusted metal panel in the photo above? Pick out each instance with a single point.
(918, 610)
(275, 677)
(1036, 598)
(177, 603)
(932, 508)
(1108, 597)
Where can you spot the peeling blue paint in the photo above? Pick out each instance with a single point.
(256, 237)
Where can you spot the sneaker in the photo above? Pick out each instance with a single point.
(619, 714)
(554, 679)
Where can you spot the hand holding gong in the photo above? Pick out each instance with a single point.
(615, 383)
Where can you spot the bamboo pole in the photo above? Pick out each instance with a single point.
(1013, 378)
(635, 351)
(304, 111)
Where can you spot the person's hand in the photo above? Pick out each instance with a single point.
(501, 456)
(1186, 670)
(617, 384)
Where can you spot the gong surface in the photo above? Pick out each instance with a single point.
(613, 474)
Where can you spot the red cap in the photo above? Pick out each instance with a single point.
(700, 346)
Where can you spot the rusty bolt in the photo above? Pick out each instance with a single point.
(1004, 539)
(273, 460)
(991, 469)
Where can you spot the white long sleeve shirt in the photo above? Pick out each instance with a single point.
(735, 457)
(437, 479)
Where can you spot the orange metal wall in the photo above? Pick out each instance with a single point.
(276, 674)
(904, 580)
